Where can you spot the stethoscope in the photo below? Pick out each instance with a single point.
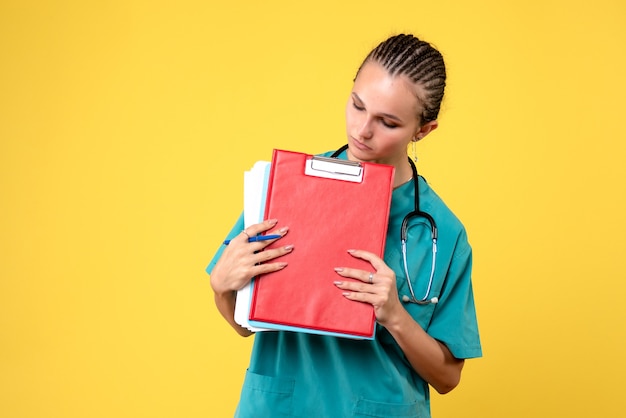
(403, 237)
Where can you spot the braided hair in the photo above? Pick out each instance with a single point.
(420, 62)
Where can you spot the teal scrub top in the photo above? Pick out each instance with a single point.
(303, 375)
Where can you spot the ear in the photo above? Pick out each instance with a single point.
(425, 129)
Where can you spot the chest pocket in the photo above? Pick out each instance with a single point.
(265, 396)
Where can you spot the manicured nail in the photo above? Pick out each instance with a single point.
(283, 230)
(288, 247)
(338, 269)
(282, 265)
(338, 283)
(351, 251)
(272, 221)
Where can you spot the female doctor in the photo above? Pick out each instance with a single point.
(421, 294)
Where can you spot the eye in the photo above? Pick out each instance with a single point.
(389, 125)
(357, 106)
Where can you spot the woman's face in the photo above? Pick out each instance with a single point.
(381, 116)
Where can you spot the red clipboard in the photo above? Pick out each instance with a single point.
(330, 206)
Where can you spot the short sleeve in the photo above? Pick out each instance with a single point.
(454, 320)
(237, 228)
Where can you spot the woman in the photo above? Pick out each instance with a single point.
(419, 341)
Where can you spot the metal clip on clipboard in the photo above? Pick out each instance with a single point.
(332, 168)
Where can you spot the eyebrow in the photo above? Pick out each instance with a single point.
(386, 115)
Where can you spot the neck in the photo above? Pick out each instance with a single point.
(403, 174)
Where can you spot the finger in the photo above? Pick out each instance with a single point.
(362, 275)
(255, 230)
(266, 225)
(357, 296)
(261, 245)
(357, 287)
(352, 273)
(263, 265)
(268, 255)
(268, 268)
(372, 258)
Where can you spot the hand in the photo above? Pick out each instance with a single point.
(243, 260)
(377, 287)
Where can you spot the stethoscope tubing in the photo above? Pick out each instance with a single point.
(403, 238)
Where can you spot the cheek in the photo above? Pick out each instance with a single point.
(351, 117)
(349, 113)
(395, 140)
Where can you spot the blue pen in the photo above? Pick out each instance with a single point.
(257, 238)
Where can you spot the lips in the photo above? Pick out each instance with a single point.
(359, 145)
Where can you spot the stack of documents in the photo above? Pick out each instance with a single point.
(330, 206)
(255, 190)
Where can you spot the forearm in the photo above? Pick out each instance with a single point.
(225, 303)
(430, 358)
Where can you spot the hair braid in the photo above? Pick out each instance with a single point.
(420, 62)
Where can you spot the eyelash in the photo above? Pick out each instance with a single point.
(388, 125)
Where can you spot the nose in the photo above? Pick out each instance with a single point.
(365, 128)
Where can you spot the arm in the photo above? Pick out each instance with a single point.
(239, 263)
(225, 303)
(431, 359)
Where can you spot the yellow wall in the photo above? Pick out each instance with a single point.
(125, 127)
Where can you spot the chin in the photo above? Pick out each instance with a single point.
(358, 153)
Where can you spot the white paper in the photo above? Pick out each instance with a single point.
(255, 191)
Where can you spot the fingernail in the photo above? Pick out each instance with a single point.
(351, 251)
(283, 230)
(337, 283)
(282, 265)
(338, 269)
(288, 247)
(346, 293)
(272, 221)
